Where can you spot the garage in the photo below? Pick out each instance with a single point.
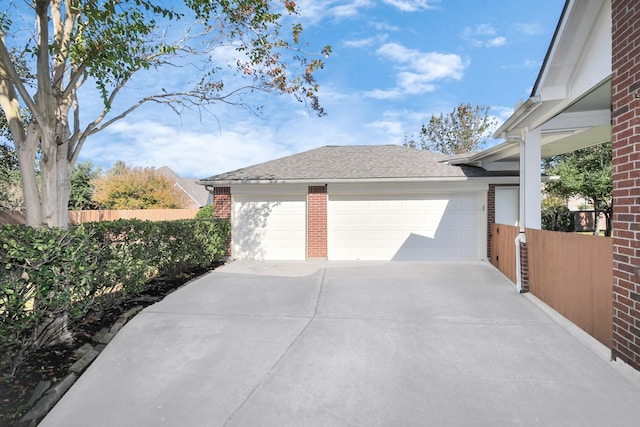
(406, 227)
(269, 227)
(365, 202)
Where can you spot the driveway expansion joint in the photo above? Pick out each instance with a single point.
(284, 353)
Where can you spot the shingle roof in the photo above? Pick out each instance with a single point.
(352, 162)
(188, 185)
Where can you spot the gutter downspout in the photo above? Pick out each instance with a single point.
(522, 111)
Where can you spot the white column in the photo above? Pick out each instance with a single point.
(530, 180)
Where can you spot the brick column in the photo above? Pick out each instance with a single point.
(524, 267)
(491, 215)
(222, 208)
(626, 180)
(317, 222)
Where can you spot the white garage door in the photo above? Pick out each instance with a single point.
(269, 228)
(416, 227)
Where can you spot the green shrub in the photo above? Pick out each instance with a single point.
(555, 215)
(47, 277)
(50, 277)
(126, 247)
(205, 212)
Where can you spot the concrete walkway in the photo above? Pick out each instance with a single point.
(349, 344)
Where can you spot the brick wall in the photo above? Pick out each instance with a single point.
(317, 222)
(222, 207)
(524, 267)
(626, 179)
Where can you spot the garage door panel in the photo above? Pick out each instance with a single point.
(269, 228)
(416, 227)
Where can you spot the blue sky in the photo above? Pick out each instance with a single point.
(394, 64)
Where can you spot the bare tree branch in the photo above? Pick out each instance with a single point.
(11, 77)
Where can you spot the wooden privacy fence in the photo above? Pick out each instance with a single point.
(503, 249)
(573, 273)
(80, 217)
(11, 217)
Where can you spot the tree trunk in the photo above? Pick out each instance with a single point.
(55, 175)
(26, 151)
(596, 220)
(46, 199)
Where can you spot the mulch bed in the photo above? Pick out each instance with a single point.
(53, 363)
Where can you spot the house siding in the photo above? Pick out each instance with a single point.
(626, 180)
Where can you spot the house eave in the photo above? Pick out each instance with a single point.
(222, 183)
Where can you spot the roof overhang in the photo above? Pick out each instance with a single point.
(571, 99)
(492, 179)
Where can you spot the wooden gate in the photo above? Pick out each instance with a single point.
(503, 249)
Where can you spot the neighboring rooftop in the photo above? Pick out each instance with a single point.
(196, 194)
(352, 162)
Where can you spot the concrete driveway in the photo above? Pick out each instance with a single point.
(349, 344)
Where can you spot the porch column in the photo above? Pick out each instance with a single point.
(317, 222)
(530, 182)
(530, 200)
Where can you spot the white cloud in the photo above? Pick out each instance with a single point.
(383, 26)
(189, 153)
(528, 29)
(365, 42)
(496, 42)
(531, 63)
(234, 138)
(483, 35)
(349, 9)
(227, 54)
(384, 94)
(410, 5)
(417, 71)
(479, 30)
(388, 127)
(500, 113)
(318, 10)
(415, 83)
(527, 63)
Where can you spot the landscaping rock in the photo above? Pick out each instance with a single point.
(44, 405)
(61, 387)
(132, 312)
(84, 362)
(98, 336)
(38, 392)
(118, 325)
(145, 299)
(106, 338)
(83, 350)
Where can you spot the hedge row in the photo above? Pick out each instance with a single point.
(50, 277)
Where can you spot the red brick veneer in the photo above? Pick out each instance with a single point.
(222, 208)
(317, 222)
(626, 180)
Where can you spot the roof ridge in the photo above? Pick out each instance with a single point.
(386, 161)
